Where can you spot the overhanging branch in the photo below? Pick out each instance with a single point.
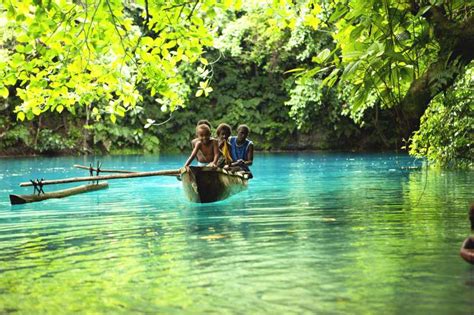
(456, 42)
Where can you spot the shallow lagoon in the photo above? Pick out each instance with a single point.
(314, 233)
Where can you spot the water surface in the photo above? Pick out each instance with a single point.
(313, 234)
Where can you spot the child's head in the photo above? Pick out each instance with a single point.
(223, 131)
(242, 132)
(203, 133)
(204, 122)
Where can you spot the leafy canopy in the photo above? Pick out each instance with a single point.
(57, 55)
(446, 134)
(384, 47)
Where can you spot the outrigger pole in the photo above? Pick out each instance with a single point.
(90, 168)
(38, 184)
(105, 177)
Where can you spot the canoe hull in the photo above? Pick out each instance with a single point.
(210, 184)
(20, 199)
(467, 250)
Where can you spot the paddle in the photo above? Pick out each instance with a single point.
(105, 177)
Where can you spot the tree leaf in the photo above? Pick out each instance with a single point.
(4, 92)
(208, 90)
(322, 56)
(20, 116)
(36, 111)
(295, 70)
(203, 84)
(423, 10)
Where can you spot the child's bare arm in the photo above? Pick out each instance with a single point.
(215, 149)
(249, 160)
(197, 146)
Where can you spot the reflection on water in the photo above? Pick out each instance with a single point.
(314, 233)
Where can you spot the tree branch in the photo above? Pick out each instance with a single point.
(456, 42)
(192, 10)
(147, 16)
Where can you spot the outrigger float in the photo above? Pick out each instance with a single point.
(201, 184)
(20, 199)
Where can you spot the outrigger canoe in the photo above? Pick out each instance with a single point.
(210, 184)
(200, 184)
(467, 250)
(20, 199)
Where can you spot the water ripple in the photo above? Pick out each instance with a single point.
(324, 234)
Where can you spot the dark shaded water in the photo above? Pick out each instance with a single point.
(314, 233)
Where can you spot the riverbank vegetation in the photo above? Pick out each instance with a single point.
(109, 76)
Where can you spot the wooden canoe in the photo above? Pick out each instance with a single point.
(210, 184)
(467, 250)
(20, 199)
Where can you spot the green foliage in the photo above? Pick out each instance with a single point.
(376, 51)
(151, 143)
(382, 47)
(446, 132)
(305, 102)
(253, 40)
(108, 137)
(240, 96)
(50, 142)
(62, 56)
(291, 70)
(15, 136)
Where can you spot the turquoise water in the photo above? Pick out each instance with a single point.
(313, 234)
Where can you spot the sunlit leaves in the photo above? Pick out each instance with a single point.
(75, 54)
(311, 19)
(149, 123)
(322, 56)
(21, 116)
(3, 92)
(305, 101)
(295, 70)
(378, 53)
(204, 88)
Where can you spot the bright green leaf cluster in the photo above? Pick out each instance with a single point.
(61, 55)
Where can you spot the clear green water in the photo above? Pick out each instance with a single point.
(313, 234)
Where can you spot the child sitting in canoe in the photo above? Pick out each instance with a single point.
(205, 149)
(201, 122)
(223, 133)
(241, 150)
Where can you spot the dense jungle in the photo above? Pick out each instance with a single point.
(108, 77)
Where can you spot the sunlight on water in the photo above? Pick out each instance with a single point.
(314, 233)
